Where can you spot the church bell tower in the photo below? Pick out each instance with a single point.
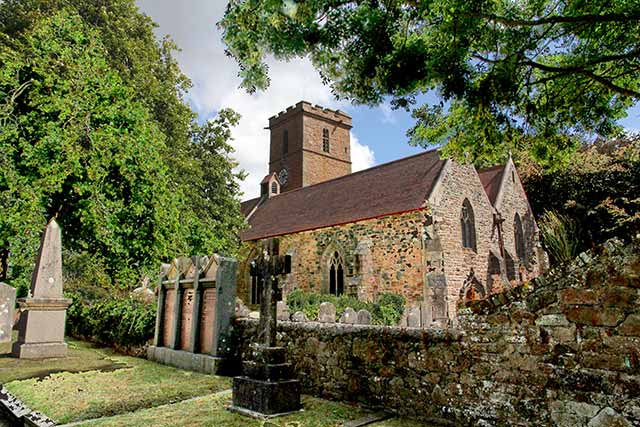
(309, 144)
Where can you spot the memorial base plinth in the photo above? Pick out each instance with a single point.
(267, 387)
(197, 362)
(39, 350)
(41, 328)
(265, 399)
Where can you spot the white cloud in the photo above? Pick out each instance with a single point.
(191, 24)
(362, 156)
(388, 114)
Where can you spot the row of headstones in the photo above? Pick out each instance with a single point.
(326, 314)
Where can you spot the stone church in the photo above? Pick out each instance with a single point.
(430, 229)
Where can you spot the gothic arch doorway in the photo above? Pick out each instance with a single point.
(472, 289)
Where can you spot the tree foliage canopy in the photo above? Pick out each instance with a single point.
(532, 75)
(94, 131)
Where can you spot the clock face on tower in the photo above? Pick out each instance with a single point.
(282, 176)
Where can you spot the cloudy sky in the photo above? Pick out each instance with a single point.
(378, 134)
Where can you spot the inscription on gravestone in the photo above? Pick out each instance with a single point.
(7, 305)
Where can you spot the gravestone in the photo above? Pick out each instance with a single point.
(267, 387)
(283, 311)
(241, 310)
(7, 305)
(41, 328)
(299, 316)
(349, 316)
(327, 313)
(413, 318)
(196, 304)
(364, 317)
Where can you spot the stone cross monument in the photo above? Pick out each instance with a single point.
(267, 387)
(41, 328)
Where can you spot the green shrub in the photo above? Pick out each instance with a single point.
(112, 321)
(560, 236)
(386, 310)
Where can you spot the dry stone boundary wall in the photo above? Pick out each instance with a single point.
(562, 351)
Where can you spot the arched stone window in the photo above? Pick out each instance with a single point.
(468, 226)
(519, 238)
(336, 275)
(274, 188)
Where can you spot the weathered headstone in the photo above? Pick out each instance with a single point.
(41, 329)
(144, 293)
(7, 305)
(283, 311)
(403, 319)
(196, 305)
(327, 313)
(267, 387)
(299, 316)
(242, 311)
(349, 316)
(413, 318)
(364, 317)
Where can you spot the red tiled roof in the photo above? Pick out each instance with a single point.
(247, 206)
(491, 179)
(399, 186)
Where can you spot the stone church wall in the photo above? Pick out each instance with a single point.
(514, 200)
(561, 352)
(460, 182)
(380, 255)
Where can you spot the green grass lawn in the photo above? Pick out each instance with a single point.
(98, 387)
(93, 383)
(81, 357)
(211, 411)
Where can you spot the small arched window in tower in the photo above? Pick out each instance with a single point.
(274, 187)
(325, 140)
(336, 275)
(519, 238)
(285, 142)
(468, 226)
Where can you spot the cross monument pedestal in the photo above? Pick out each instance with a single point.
(267, 387)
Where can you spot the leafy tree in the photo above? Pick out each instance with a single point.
(146, 64)
(82, 141)
(536, 76)
(599, 191)
(213, 196)
(78, 147)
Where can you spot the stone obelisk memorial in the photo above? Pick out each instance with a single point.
(41, 327)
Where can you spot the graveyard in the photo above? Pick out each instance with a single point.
(291, 213)
(66, 381)
(96, 386)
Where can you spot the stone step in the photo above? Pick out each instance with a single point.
(267, 372)
(265, 398)
(268, 355)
